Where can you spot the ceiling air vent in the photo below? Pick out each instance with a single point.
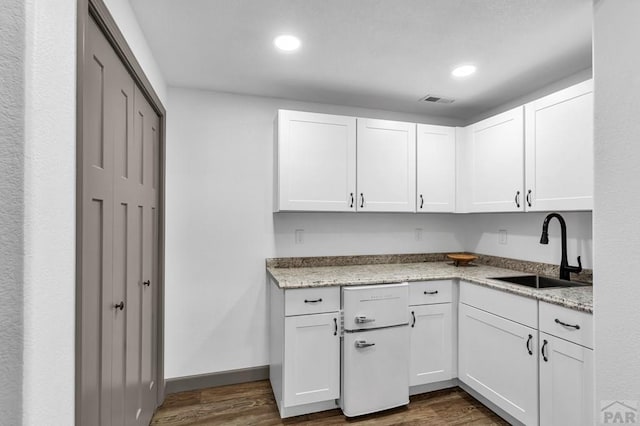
(436, 99)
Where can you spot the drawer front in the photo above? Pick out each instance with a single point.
(516, 308)
(574, 326)
(302, 301)
(430, 292)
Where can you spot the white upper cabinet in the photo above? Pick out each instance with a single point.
(386, 164)
(496, 160)
(559, 150)
(436, 168)
(316, 162)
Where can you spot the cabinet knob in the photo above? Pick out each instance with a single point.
(119, 305)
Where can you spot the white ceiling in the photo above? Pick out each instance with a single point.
(383, 54)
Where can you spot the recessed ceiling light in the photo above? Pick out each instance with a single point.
(287, 42)
(463, 70)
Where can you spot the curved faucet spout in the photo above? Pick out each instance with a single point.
(565, 268)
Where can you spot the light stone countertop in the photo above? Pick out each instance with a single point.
(577, 298)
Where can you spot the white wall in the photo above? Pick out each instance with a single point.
(12, 28)
(481, 232)
(563, 83)
(617, 186)
(220, 228)
(49, 262)
(124, 16)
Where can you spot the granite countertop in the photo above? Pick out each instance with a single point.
(577, 298)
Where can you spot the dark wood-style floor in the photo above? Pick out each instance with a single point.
(253, 404)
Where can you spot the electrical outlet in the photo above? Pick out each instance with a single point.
(299, 236)
(502, 236)
(418, 234)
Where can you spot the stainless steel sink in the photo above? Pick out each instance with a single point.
(537, 281)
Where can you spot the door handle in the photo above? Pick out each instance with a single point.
(517, 199)
(313, 300)
(528, 344)
(147, 283)
(361, 200)
(335, 326)
(351, 203)
(544, 345)
(413, 315)
(421, 201)
(431, 292)
(363, 344)
(577, 327)
(529, 198)
(361, 319)
(119, 305)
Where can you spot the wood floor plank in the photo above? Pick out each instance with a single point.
(253, 404)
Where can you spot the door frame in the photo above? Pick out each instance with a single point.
(97, 10)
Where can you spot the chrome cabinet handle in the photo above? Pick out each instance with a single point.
(544, 345)
(529, 198)
(363, 344)
(431, 292)
(361, 319)
(119, 305)
(361, 200)
(528, 344)
(577, 327)
(421, 201)
(413, 315)
(313, 300)
(351, 203)
(517, 199)
(335, 326)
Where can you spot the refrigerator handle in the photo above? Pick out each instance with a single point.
(363, 344)
(361, 319)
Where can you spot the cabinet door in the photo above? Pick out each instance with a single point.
(499, 360)
(566, 382)
(436, 168)
(431, 344)
(386, 166)
(311, 359)
(496, 177)
(316, 162)
(559, 150)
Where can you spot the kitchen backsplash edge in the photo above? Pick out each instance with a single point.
(526, 266)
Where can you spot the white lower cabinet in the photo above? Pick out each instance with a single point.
(431, 356)
(311, 359)
(305, 349)
(566, 382)
(498, 359)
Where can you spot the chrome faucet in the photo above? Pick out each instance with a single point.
(565, 268)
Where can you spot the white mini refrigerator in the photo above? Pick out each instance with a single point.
(375, 348)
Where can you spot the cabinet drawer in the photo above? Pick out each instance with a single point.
(578, 328)
(429, 292)
(311, 300)
(516, 308)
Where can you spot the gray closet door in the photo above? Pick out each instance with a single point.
(119, 240)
